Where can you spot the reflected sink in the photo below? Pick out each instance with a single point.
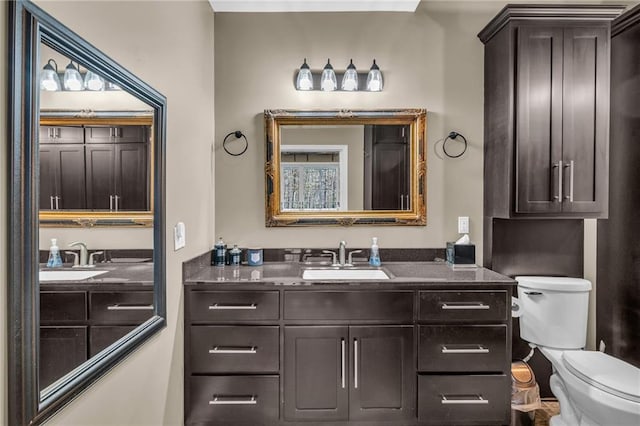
(66, 275)
(344, 274)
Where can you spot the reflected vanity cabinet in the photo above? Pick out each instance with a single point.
(546, 111)
(95, 167)
(366, 357)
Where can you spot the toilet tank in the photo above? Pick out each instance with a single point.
(554, 311)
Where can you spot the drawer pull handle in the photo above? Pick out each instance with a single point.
(464, 306)
(476, 349)
(463, 399)
(217, 307)
(533, 293)
(130, 308)
(343, 362)
(234, 400)
(233, 350)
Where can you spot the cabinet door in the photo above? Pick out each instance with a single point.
(386, 167)
(131, 176)
(585, 119)
(61, 350)
(61, 134)
(100, 176)
(383, 382)
(62, 172)
(115, 134)
(539, 119)
(315, 373)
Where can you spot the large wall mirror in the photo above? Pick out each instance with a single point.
(345, 167)
(87, 151)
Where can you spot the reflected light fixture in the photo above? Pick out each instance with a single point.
(49, 79)
(328, 80)
(72, 78)
(374, 78)
(93, 81)
(350, 79)
(305, 78)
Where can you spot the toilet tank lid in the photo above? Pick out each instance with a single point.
(554, 283)
(610, 374)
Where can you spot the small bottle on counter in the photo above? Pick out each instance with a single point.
(54, 261)
(374, 253)
(236, 255)
(219, 253)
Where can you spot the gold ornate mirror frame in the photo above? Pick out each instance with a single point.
(415, 215)
(99, 218)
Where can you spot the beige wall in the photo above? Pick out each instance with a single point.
(158, 42)
(430, 59)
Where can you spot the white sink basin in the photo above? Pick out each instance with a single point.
(344, 274)
(66, 275)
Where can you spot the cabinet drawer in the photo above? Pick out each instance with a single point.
(234, 349)
(125, 307)
(477, 348)
(61, 307)
(464, 400)
(229, 400)
(230, 306)
(439, 306)
(349, 305)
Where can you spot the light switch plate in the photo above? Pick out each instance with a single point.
(179, 236)
(463, 224)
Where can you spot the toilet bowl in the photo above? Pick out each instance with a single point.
(593, 388)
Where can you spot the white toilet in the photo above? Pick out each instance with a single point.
(593, 388)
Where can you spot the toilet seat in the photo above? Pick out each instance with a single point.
(605, 372)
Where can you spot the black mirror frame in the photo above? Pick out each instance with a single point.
(28, 26)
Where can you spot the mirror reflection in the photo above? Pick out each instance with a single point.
(345, 167)
(95, 149)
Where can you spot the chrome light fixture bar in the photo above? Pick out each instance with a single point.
(72, 79)
(327, 79)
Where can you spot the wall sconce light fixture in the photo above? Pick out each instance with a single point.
(72, 78)
(49, 79)
(350, 80)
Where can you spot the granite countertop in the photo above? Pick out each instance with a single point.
(117, 273)
(290, 274)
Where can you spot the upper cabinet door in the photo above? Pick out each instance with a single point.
(539, 120)
(115, 134)
(585, 119)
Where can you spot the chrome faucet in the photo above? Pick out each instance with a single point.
(84, 254)
(341, 252)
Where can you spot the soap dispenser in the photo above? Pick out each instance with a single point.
(54, 261)
(374, 253)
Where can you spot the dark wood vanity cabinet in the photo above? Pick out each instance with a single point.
(94, 167)
(341, 357)
(77, 324)
(546, 111)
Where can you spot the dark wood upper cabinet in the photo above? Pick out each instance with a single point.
(94, 168)
(386, 171)
(62, 177)
(546, 111)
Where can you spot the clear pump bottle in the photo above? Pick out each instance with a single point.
(374, 253)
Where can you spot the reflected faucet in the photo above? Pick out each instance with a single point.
(84, 254)
(341, 252)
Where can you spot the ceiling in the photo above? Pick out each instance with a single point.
(314, 5)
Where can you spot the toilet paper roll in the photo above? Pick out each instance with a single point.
(516, 307)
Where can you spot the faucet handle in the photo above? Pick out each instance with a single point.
(350, 259)
(334, 256)
(76, 259)
(91, 260)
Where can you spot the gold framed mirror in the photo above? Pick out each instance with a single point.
(343, 167)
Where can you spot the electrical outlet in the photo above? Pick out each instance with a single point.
(179, 236)
(463, 224)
